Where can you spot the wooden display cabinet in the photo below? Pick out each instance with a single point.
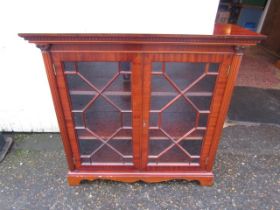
(136, 107)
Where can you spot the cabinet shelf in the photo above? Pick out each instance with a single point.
(122, 93)
(129, 138)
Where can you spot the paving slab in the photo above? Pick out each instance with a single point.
(247, 177)
(255, 105)
(258, 69)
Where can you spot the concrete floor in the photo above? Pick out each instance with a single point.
(247, 172)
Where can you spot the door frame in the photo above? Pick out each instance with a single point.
(141, 78)
(217, 97)
(136, 106)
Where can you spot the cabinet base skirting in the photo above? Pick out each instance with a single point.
(204, 178)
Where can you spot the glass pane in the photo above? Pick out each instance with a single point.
(206, 84)
(100, 96)
(106, 154)
(157, 67)
(177, 127)
(124, 146)
(159, 102)
(162, 92)
(214, 67)
(122, 102)
(157, 146)
(179, 118)
(183, 74)
(83, 133)
(161, 84)
(76, 83)
(103, 118)
(78, 119)
(98, 73)
(193, 147)
(125, 69)
(79, 101)
(69, 66)
(121, 83)
(158, 142)
(203, 118)
(197, 134)
(125, 66)
(127, 119)
(88, 146)
(201, 102)
(154, 117)
(174, 155)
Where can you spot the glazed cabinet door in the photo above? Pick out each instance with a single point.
(100, 94)
(182, 97)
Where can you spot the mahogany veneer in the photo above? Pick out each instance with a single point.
(144, 107)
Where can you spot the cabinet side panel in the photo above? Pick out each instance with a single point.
(218, 95)
(58, 108)
(233, 72)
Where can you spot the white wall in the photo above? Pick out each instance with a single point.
(25, 100)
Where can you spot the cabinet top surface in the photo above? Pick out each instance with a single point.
(224, 34)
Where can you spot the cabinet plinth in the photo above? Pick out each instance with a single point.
(142, 107)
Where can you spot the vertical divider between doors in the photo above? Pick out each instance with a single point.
(136, 91)
(146, 109)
